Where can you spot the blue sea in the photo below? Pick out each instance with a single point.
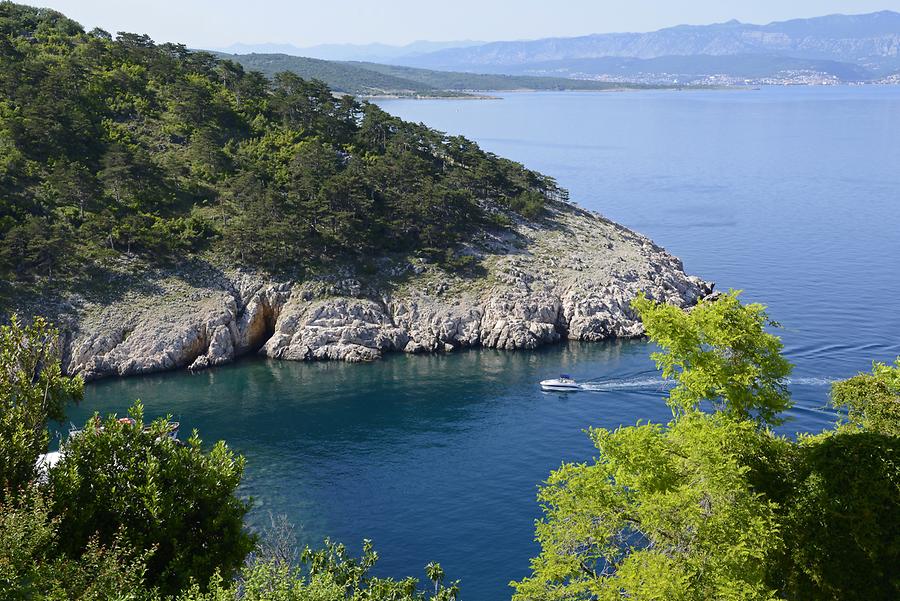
(789, 194)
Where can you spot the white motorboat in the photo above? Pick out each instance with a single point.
(564, 383)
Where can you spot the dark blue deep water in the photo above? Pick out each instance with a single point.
(792, 195)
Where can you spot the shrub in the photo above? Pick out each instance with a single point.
(33, 390)
(30, 567)
(124, 479)
(529, 204)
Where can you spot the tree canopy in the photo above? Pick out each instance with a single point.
(33, 391)
(121, 481)
(664, 513)
(714, 505)
(872, 400)
(118, 145)
(719, 352)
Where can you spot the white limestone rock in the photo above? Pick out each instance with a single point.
(572, 276)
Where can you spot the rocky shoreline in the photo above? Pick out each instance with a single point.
(572, 276)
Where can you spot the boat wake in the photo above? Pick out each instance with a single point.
(644, 383)
(812, 381)
(648, 383)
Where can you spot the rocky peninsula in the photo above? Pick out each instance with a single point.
(570, 275)
(143, 214)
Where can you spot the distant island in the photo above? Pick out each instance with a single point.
(374, 79)
(372, 53)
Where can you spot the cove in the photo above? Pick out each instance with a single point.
(433, 457)
(789, 194)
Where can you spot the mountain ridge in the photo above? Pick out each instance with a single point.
(870, 40)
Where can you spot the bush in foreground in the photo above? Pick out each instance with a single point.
(717, 506)
(327, 574)
(32, 568)
(33, 391)
(125, 480)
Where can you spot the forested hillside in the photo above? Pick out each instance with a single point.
(348, 78)
(373, 79)
(115, 145)
(462, 81)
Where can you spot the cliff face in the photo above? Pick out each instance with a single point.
(571, 277)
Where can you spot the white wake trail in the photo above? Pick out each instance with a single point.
(660, 384)
(812, 381)
(626, 384)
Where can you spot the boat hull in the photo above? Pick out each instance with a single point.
(550, 386)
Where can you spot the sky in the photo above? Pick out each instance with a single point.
(219, 23)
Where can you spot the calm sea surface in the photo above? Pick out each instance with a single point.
(792, 195)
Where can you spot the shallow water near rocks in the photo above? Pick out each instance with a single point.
(789, 194)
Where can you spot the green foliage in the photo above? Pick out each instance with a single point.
(328, 574)
(122, 146)
(365, 78)
(663, 513)
(842, 519)
(721, 352)
(32, 392)
(31, 568)
(714, 507)
(529, 204)
(872, 400)
(135, 483)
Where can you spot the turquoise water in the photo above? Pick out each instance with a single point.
(789, 194)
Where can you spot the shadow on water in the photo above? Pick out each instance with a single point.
(282, 396)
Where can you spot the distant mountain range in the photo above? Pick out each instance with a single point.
(850, 47)
(349, 52)
(830, 49)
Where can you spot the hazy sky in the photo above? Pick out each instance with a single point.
(211, 23)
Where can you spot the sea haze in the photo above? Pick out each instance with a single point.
(790, 194)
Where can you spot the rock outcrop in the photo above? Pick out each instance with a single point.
(573, 276)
